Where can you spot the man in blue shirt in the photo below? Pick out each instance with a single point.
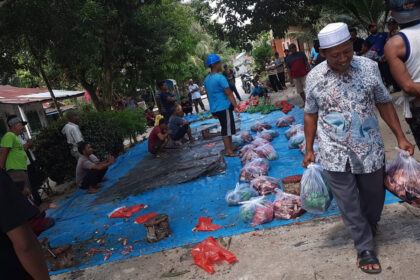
(377, 39)
(258, 90)
(167, 100)
(222, 102)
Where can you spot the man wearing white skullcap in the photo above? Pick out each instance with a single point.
(341, 96)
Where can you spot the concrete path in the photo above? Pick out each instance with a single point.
(318, 249)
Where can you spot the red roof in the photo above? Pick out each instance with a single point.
(15, 95)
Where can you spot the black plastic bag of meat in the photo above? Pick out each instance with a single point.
(287, 206)
(259, 126)
(265, 185)
(285, 121)
(403, 178)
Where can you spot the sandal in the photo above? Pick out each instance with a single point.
(368, 257)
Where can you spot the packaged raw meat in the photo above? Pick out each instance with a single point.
(267, 151)
(257, 210)
(245, 149)
(273, 133)
(287, 206)
(291, 184)
(403, 178)
(259, 126)
(246, 136)
(248, 173)
(285, 121)
(237, 140)
(242, 192)
(293, 130)
(265, 185)
(248, 156)
(264, 135)
(302, 147)
(315, 193)
(296, 140)
(259, 142)
(262, 163)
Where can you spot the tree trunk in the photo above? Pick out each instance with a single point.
(91, 89)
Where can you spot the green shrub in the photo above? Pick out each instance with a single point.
(105, 131)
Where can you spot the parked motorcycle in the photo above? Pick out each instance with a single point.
(246, 82)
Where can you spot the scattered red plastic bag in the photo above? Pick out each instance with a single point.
(209, 252)
(206, 224)
(124, 212)
(144, 218)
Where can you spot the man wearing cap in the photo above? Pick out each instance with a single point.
(222, 102)
(13, 157)
(403, 54)
(297, 63)
(342, 95)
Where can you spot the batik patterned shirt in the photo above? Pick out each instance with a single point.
(348, 128)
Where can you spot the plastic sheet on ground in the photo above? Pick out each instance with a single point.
(82, 224)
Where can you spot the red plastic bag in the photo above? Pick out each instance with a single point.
(124, 212)
(206, 224)
(144, 218)
(209, 252)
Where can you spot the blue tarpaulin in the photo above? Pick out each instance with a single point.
(82, 224)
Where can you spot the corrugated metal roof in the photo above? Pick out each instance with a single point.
(15, 95)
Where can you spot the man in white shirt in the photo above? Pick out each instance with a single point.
(73, 134)
(194, 90)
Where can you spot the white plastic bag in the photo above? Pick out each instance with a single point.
(242, 192)
(287, 206)
(257, 210)
(315, 193)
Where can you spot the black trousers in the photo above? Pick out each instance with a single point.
(414, 124)
(282, 79)
(93, 178)
(233, 88)
(274, 82)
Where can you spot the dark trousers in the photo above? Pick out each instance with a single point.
(36, 180)
(282, 79)
(387, 76)
(360, 198)
(197, 102)
(274, 82)
(414, 124)
(93, 178)
(233, 88)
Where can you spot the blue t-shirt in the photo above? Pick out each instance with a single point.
(168, 107)
(257, 91)
(215, 85)
(378, 42)
(314, 54)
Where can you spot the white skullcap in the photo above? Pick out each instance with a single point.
(333, 35)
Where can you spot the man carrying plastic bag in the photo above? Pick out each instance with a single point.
(342, 94)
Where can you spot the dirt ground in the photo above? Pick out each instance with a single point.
(318, 249)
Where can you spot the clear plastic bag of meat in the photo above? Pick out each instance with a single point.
(245, 149)
(249, 156)
(250, 172)
(293, 130)
(287, 206)
(403, 178)
(273, 133)
(296, 140)
(285, 121)
(242, 192)
(257, 211)
(266, 151)
(265, 185)
(237, 141)
(246, 137)
(262, 163)
(264, 135)
(258, 141)
(315, 193)
(259, 126)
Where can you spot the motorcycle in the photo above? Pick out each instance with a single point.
(246, 82)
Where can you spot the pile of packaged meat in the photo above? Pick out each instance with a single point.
(285, 121)
(265, 185)
(287, 206)
(259, 126)
(403, 178)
